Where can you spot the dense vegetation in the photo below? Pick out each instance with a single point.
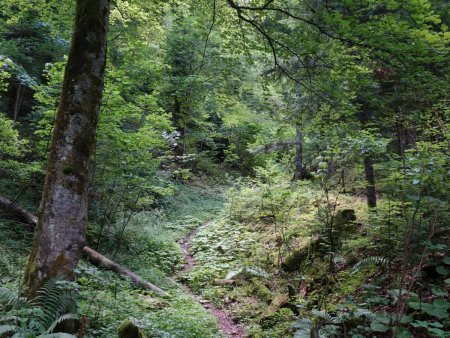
(283, 163)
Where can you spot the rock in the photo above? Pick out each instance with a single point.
(344, 221)
(223, 282)
(277, 303)
(294, 260)
(129, 330)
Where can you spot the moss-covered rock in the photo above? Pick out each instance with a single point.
(129, 330)
(278, 302)
(284, 315)
(344, 221)
(295, 259)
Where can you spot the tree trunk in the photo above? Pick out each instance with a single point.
(298, 172)
(13, 211)
(178, 123)
(18, 103)
(369, 173)
(62, 217)
(370, 182)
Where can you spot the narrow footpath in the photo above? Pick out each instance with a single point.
(225, 321)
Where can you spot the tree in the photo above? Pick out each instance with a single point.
(60, 233)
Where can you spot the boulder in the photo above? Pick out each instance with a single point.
(344, 221)
(277, 303)
(129, 330)
(292, 262)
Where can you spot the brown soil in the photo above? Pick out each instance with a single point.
(225, 321)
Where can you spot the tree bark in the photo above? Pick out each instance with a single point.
(13, 211)
(16, 212)
(298, 172)
(369, 173)
(18, 103)
(62, 216)
(370, 182)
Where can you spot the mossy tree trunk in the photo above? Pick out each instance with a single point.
(62, 217)
(298, 172)
(369, 173)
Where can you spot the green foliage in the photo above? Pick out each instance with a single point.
(247, 271)
(192, 93)
(369, 261)
(54, 304)
(11, 145)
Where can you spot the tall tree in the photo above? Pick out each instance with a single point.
(60, 233)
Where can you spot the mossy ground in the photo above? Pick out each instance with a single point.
(245, 234)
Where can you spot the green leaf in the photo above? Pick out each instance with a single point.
(438, 291)
(406, 319)
(383, 318)
(8, 329)
(447, 260)
(402, 332)
(379, 327)
(443, 271)
(439, 333)
(437, 309)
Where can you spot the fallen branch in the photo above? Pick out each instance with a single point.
(17, 213)
(100, 260)
(11, 210)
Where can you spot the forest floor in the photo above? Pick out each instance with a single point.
(221, 253)
(226, 323)
(184, 245)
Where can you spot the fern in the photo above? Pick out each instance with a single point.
(303, 328)
(372, 260)
(57, 335)
(61, 319)
(8, 329)
(325, 315)
(248, 271)
(7, 296)
(39, 316)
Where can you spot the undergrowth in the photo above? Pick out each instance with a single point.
(149, 248)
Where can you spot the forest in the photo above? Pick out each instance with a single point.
(224, 168)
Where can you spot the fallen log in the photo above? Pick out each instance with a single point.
(100, 260)
(17, 213)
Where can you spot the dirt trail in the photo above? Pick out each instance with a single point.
(226, 323)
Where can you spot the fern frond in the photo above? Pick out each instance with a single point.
(53, 301)
(7, 319)
(8, 329)
(7, 296)
(303, 324)
(372, 260)
(10, 298)
(60, 319)
(324, 315)
(246, 271)
(57, 335)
